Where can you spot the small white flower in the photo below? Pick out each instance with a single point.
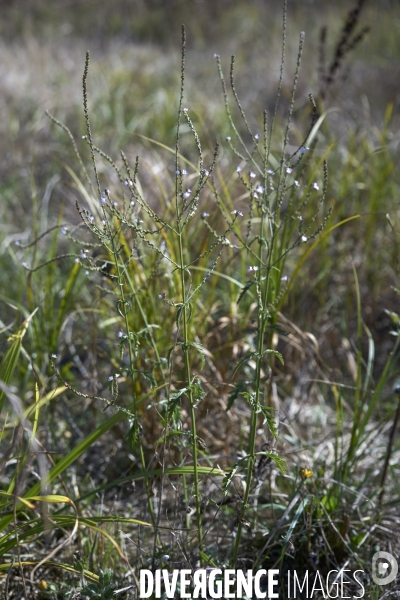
(260, 189)
(132, 203)
(54, 356)
(205, 214)
(186, 194)
(300, 218)
(110, 378)
(120, 334)
(91, 218)
(77, 260)
(184, 172)
(86, 272)
(228, 139)
(304, 149)
(215, 55)
(64, 230)
(104, 222)
(205, 172)
(303, 238)
(17, 243)
(270, 172)
(25, 265)
(185, 110)
(165, 557)
(289, 169)
(257, 136)
(84, 137)
(296, 183)
(284, 278)
(315, 186)
(115, 203)
(252, 174)
(239, 169)
(102, 201)
(177, 172)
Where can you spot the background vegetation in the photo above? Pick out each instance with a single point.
(91, 471)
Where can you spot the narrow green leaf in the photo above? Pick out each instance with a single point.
(296, 517)
(276, 353)
(278, 460)
(200, 350)
(11, 357)
(245, 289)
(174, 400)
(64, 303)
(169, 352)
(268, 414)
(50, 563)
(243, 360)
(188, 470)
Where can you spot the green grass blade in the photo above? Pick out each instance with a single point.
(10, 360)
(189, 470)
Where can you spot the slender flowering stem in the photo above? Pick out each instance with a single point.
(190, 391)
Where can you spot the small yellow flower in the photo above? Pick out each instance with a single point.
(43, 584)
(306, 473)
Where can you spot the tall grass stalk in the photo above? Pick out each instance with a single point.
(180, 227)
(276, 207)
(122, 304)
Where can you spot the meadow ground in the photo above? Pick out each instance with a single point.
(199, 348)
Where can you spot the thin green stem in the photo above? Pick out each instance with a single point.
(251, 458)
(190, 390)
(131, 363)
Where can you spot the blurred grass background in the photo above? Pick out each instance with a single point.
(133, 92)
(134, 89)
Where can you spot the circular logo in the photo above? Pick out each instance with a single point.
(384, 568)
